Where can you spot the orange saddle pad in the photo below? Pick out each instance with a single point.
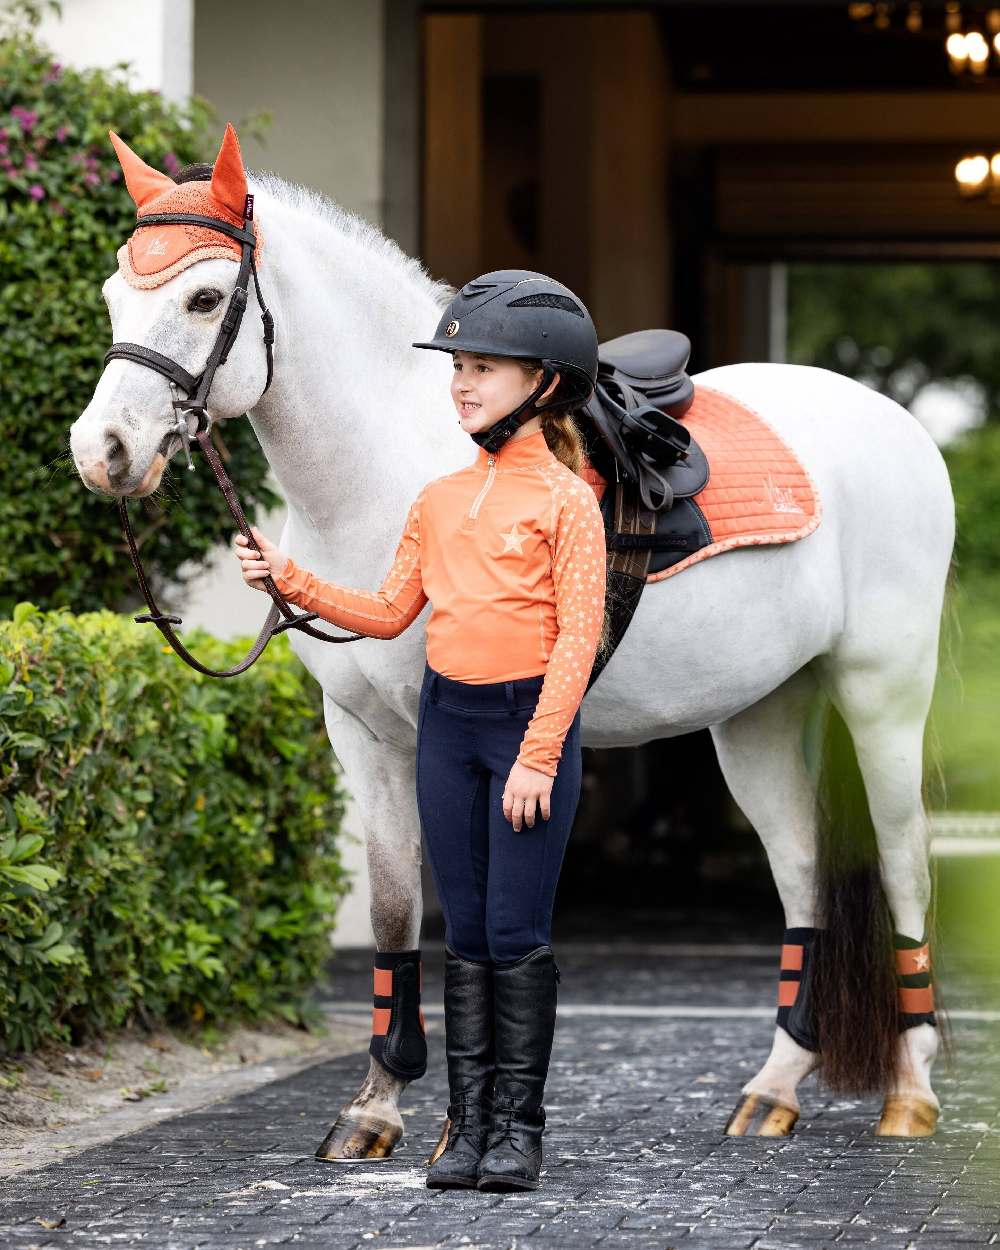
(758, 492)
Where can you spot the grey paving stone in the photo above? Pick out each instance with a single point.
(635, 1156)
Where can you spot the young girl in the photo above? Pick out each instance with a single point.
(510, 552)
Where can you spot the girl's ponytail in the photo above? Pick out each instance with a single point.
(563, 439)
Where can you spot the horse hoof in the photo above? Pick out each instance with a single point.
(756, 1116)
(442, 1141)
(905, 1115)
(352, 1139)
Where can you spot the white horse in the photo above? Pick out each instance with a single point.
(356, 422)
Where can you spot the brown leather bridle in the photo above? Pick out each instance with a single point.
(197, 390)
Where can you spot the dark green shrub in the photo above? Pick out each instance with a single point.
(974, 466)
(168, 843)
(64, 212)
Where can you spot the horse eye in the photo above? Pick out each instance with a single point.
(204, 301)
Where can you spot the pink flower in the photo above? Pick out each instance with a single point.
(36, 192)
(55, 70)
(171, 163)
(25, 116)
(114, 174)
(92, 179)
(61, 133)
(30, 162)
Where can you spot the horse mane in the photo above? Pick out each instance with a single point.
(318, 207)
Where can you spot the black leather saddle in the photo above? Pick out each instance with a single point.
(642, 392)
(635, 439)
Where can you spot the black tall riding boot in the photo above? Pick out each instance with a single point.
(524, 996)
(468, 1024)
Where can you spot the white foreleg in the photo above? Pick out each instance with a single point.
(381, 778)
(761, 753)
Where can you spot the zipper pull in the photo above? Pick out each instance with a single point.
(489, 461)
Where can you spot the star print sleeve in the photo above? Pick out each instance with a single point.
(384, 613)
(578, 572)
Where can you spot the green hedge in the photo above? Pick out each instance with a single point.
(974, 466)
(64, 211)
(168, 843)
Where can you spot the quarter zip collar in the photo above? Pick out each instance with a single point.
(516, 453)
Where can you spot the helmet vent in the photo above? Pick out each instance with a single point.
(546, 300)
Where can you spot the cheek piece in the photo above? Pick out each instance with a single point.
(398, 1041)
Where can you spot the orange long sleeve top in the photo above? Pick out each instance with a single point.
(510, 553)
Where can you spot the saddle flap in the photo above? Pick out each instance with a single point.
(683, 478)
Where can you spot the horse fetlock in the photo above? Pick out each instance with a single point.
(380, 1088)
(916, 1053)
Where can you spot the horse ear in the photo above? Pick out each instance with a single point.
(229, 179)
(144, 183)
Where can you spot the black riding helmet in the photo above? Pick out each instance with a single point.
(526, 315)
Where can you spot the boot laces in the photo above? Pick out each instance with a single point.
(466, 1117)
(503, 1123)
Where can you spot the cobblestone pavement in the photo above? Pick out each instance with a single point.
(635, 1153)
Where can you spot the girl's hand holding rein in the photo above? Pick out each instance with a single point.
(525, 788)
(254, 570)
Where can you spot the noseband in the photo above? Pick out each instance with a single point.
(197, 391)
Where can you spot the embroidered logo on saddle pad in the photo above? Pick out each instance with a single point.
(153, 256)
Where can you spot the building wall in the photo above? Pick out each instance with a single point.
(317, 67)
(564, 168)
(154, 36)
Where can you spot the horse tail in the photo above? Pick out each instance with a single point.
(854, 981)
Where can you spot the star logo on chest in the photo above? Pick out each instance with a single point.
(922, 960)
(512, 540)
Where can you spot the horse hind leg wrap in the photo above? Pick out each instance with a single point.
(796, 1006)
(398, 1040)
(913, 981)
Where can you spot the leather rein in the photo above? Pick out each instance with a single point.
(280, 616)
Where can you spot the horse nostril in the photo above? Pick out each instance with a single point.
(115, 456)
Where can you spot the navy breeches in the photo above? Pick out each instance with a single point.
(497, 887)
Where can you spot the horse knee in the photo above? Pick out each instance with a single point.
(396, 899)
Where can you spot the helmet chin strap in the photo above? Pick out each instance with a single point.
(494, 438)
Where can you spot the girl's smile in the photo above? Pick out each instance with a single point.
(484, 389)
